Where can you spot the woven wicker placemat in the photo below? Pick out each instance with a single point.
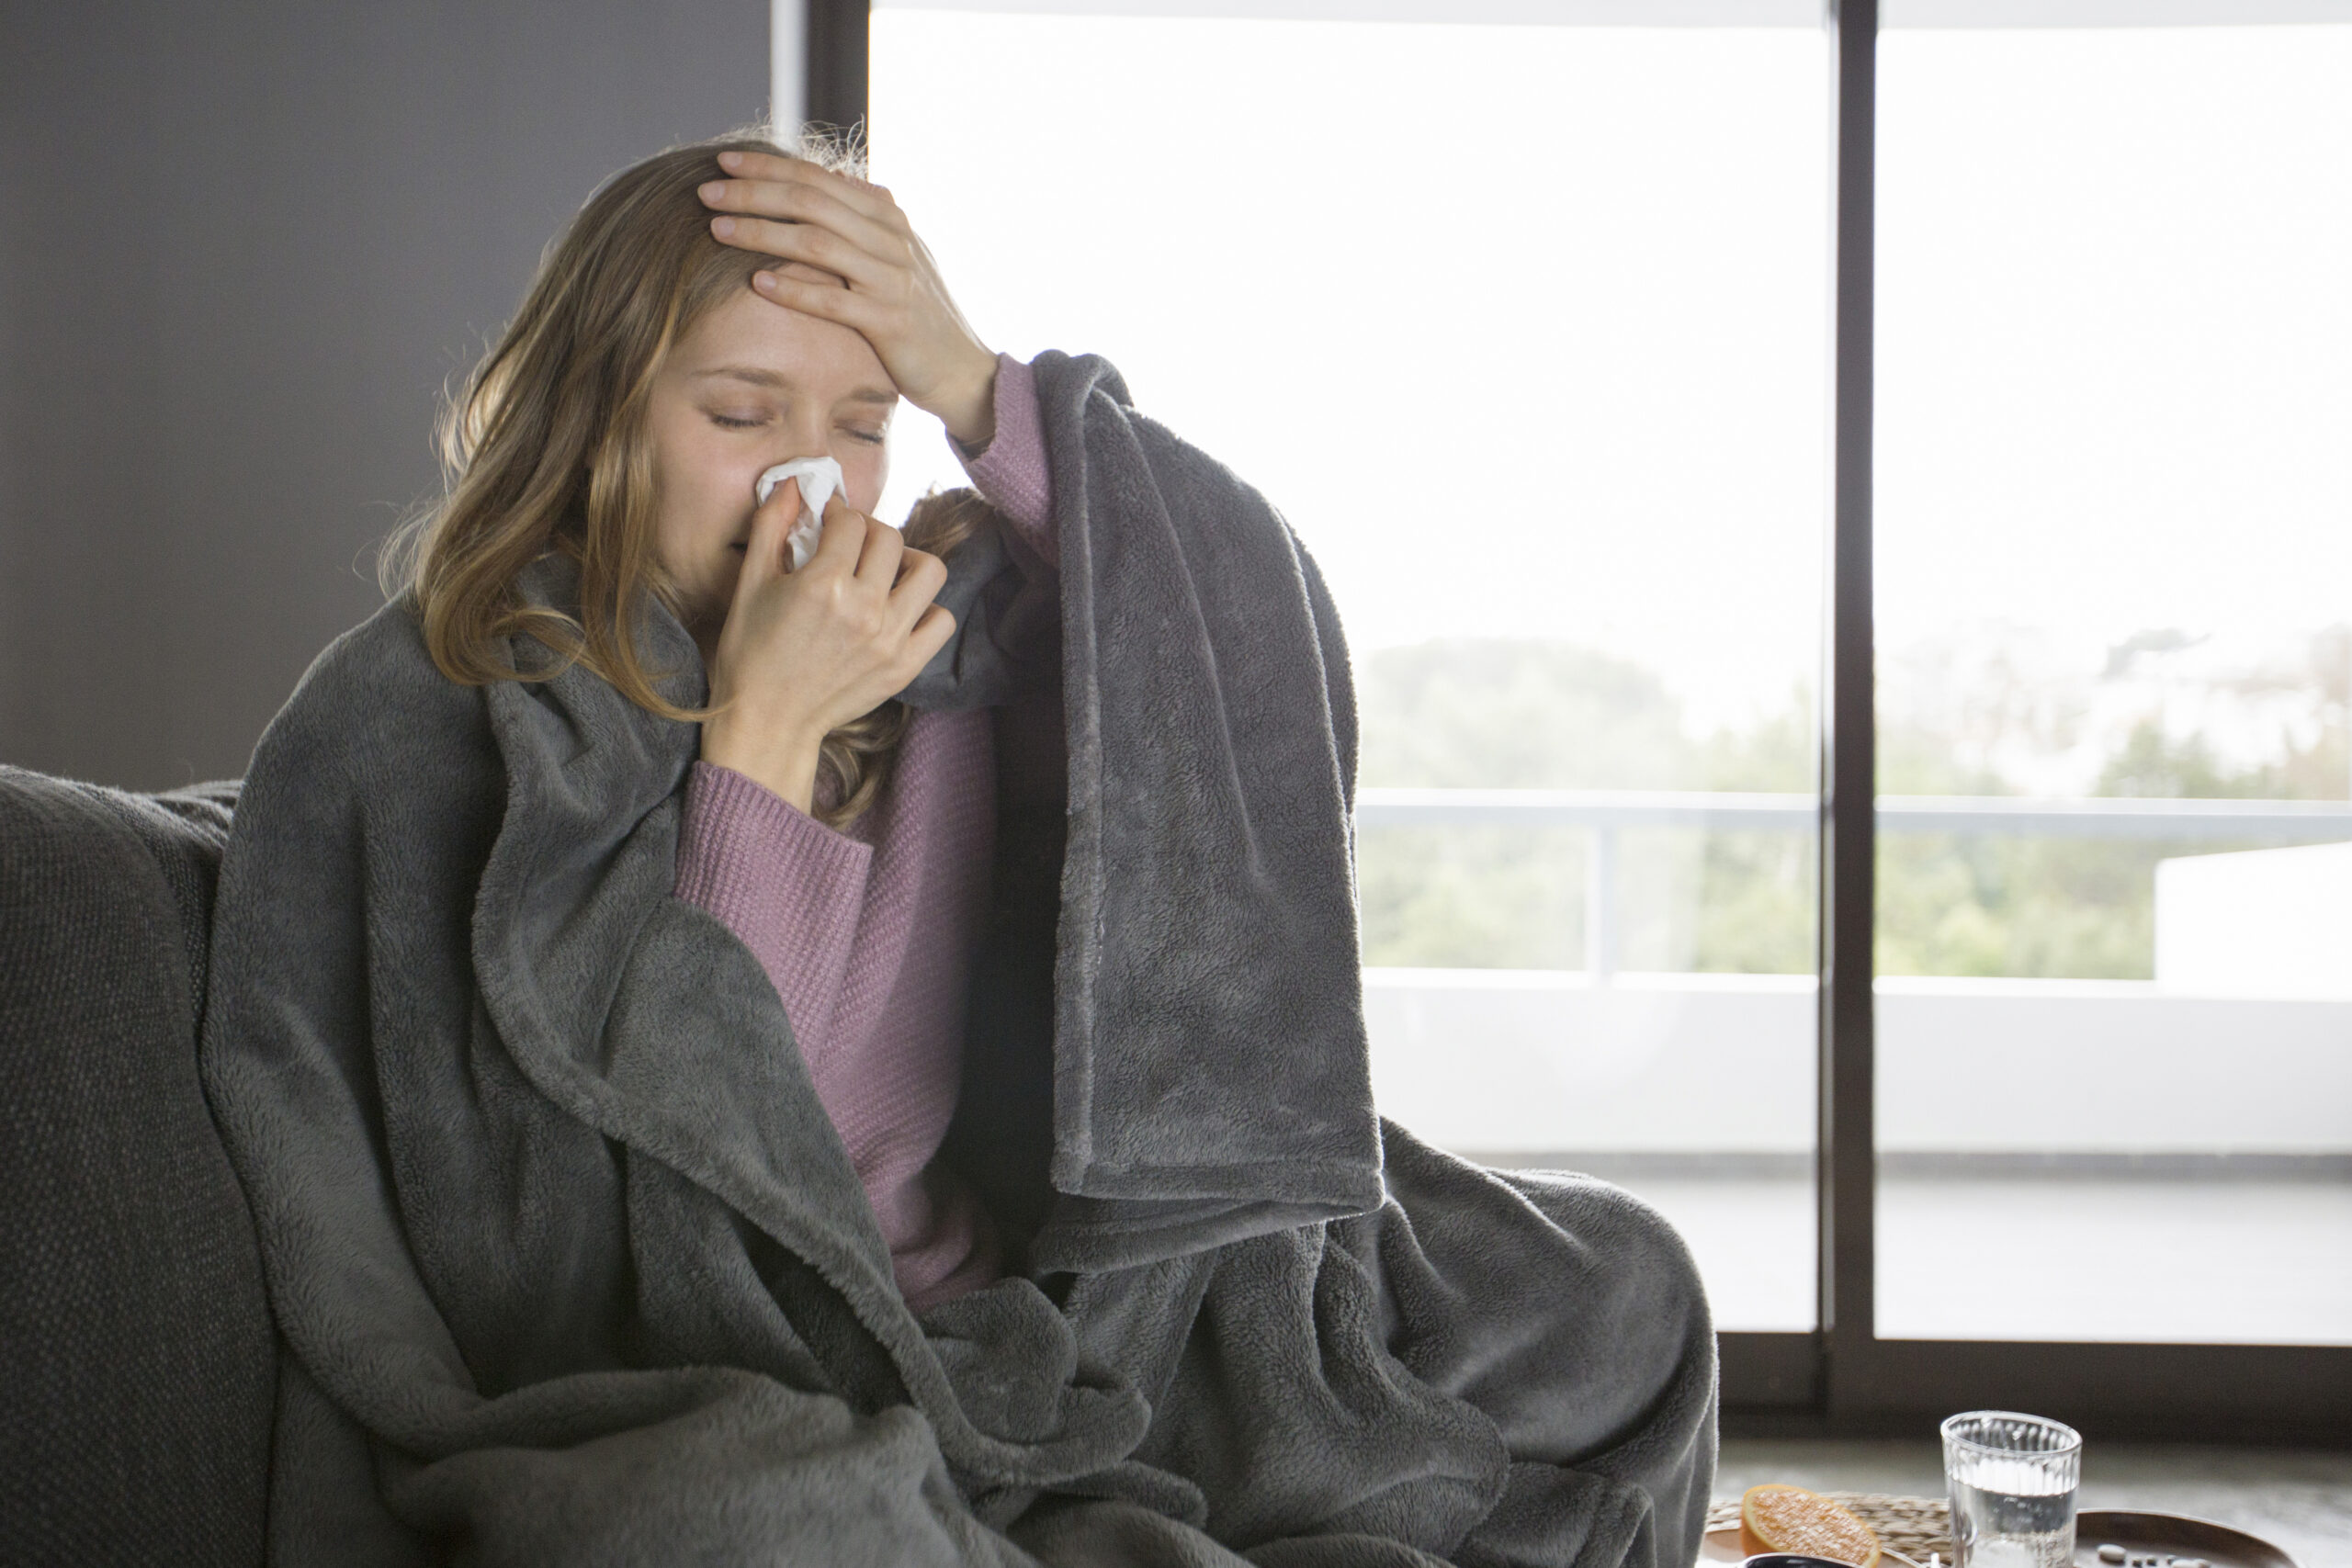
(1912, 1526)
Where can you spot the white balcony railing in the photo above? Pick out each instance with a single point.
(1605, 813)
(1504, 1062)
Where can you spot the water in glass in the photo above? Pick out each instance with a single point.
(1999, 1523)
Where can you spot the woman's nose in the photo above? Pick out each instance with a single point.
(789, 448)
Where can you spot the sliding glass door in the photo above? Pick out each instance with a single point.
(1542, 387)
(2114, 614)
(1955, 943)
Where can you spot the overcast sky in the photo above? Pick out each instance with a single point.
(1524, 327)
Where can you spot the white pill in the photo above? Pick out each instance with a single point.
(2111, 1552)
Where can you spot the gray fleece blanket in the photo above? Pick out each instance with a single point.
(571, 1268)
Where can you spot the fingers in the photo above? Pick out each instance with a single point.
(765, 555)
(783, 500)
(790, 207)
(907, 578)
(826, 301)
(847, 631)
(749, 201)
(900, 621)
(921, 577)
(890, 291)
(919, 568)
(930, 634)
(869, 201)
(877, 561)
(820, 248)
(841, 540)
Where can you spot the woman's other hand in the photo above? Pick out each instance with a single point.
(803, 653)
(890, 289)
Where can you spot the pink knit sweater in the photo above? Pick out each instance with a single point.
(868, 934)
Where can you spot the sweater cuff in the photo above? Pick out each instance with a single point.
(790, 888)
(738, 836)
(1010, 471)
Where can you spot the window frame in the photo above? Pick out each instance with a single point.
(1842, 1379)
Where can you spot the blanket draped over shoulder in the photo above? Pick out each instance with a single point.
(571, 1267)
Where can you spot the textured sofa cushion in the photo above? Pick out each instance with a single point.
(136, 1387)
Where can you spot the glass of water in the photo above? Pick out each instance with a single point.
(2012, 1480)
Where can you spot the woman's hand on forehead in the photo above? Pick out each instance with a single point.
(890, 288)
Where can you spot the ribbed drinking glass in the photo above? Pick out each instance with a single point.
(2012, 1480)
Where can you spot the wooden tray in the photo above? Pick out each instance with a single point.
(2163, 1536)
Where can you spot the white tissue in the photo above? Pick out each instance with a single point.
(818, 476)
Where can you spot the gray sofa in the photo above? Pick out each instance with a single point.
(137, 1359)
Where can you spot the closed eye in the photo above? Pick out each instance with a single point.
(729, 423)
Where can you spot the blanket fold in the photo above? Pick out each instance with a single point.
(562, 1242)
(1212, 1079)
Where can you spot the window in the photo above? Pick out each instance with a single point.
(1557, 437)
(2114, 524)
(2046, 313)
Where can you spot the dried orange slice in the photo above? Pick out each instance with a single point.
(1790, 1519)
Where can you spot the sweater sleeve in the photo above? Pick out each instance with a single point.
(786, 884)
(1009, 472)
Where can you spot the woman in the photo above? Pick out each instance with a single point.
(865, 1063)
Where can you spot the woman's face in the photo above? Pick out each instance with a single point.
(752, 386)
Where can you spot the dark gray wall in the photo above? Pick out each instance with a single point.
(243, 248)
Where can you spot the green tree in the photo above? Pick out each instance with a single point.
(1526, 714)
(1499, 712)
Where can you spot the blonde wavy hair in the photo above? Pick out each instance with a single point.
(544, 450)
